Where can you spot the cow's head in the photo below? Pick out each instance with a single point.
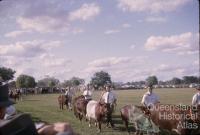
(145, 110)
(103, 109)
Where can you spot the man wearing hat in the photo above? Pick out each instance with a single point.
(87, 93)
(196, 97)
(6, 108)
(149, 98)
(109, 98)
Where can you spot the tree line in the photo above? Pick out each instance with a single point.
(99, 79)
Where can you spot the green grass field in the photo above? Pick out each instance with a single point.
(45, 108)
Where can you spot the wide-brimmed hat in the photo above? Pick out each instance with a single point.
(4, 98)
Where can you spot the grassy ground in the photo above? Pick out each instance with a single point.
(45, 108)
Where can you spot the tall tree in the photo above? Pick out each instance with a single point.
(74, 81)
(175, 81)
(152, 80)
(190, 79)
(48, 82)
(6, 74)
(99, 79)
(25, 81)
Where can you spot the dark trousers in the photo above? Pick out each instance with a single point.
(109, 115)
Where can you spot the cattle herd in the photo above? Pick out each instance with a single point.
(175, 119)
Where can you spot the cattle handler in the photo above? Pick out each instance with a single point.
(150, 98)
(110, 99)
(87, 93)
(196, 97)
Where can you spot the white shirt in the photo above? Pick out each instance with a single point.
(69, 93)
(196, 99)
(108, 97)
(150, 99)
(87, 94)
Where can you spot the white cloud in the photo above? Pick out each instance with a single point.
(61, 74)
(196, 63)
(16, 33)
(126, 25)
(85, 12)
(40, 18)
(27, 48)
(185, 43)
(132, 47)
(52, 61)
(120, 68)
(43, 23)
(77, 31)
(113, 31)
(153, 6)
(156, 19)
(165, 68)
(107, 62)
(11, 61)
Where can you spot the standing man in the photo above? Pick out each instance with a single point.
(196, 98)
(68, 95)
(87, 93)
(149, 98)
(109, 98)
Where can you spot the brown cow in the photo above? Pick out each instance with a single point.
(96, 111)
(134, 114)
(174, 118)
(61, 101)
(79, 105)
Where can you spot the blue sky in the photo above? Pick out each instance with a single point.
(130, 39)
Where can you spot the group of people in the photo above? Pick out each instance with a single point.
(7, 110)
(150, 98)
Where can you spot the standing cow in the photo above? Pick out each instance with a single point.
(96, 111)
(61, 101)
(174, 118)
(79, 106)
(139, 116)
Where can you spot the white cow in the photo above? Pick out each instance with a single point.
(96, 111)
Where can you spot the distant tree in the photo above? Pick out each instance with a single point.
(190, 79)
(141, 83)
(151, 80)
(175, 81)
(74, 81)
(77, 81)
(25, 81)
(162, 82)
(6, 74)
(67, 83)
(48, 82)
(99, 79)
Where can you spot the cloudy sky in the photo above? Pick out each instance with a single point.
(130, 39)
